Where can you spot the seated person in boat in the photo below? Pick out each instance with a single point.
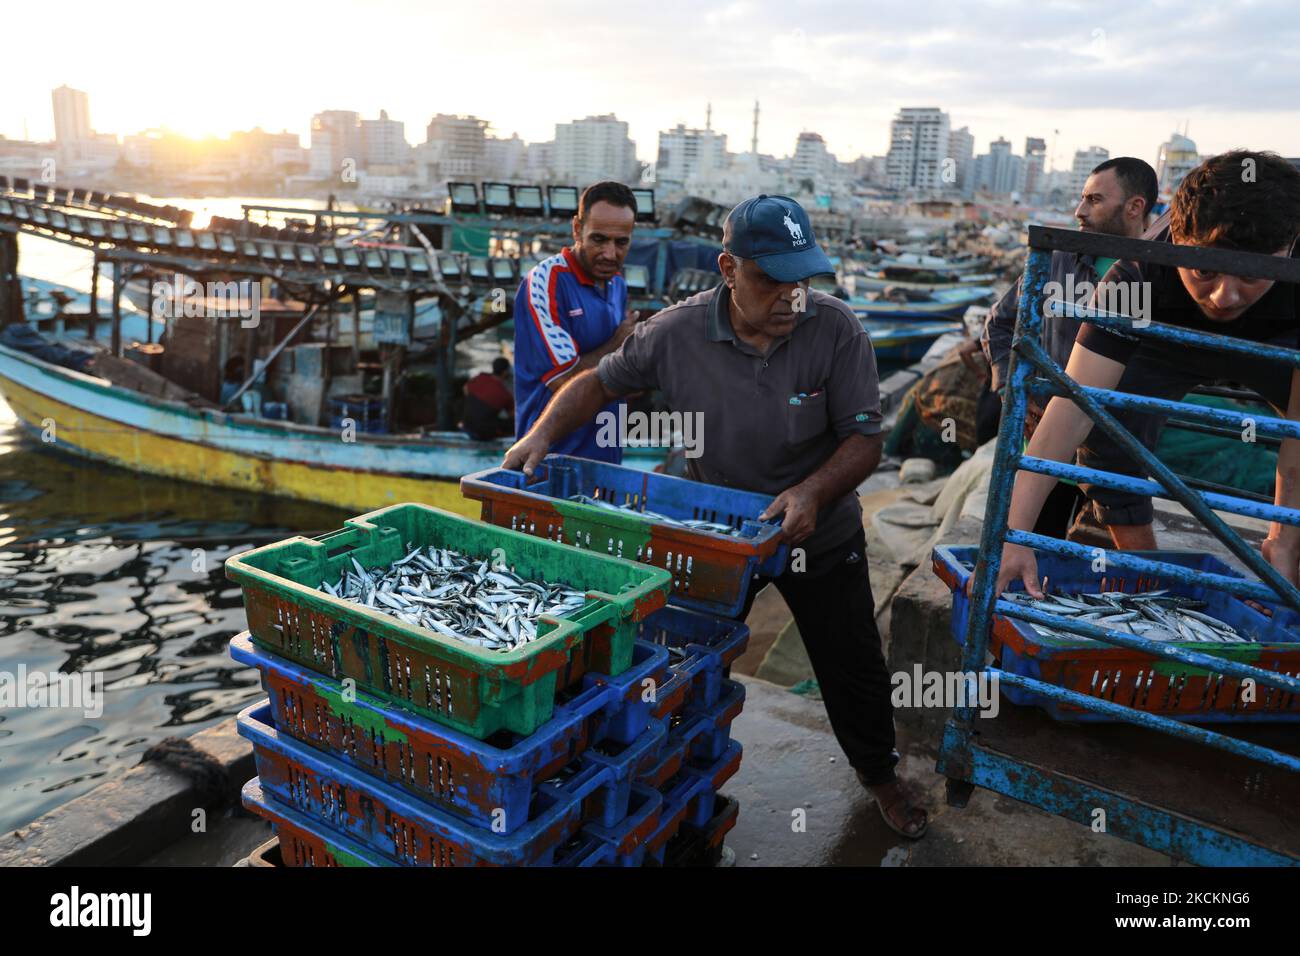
(489, 406)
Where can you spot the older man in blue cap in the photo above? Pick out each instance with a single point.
(783, 381)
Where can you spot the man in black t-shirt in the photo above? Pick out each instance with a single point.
(1249, 201)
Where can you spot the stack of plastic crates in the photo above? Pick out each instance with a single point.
(663, 522)
(383, 743)
(696, 710)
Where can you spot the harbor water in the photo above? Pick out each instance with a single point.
(112, 573)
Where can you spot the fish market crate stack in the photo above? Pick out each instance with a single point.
(355, 770)
(709, 538)
(1198, 617)
(474, 683)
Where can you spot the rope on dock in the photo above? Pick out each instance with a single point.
(205, 772)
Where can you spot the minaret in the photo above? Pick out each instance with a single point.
(753, 141)
(708, 117)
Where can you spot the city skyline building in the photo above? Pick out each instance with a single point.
(1177, 157)
(383, 141)
(961, 149)
(71, 115)
(1035, 165)
(335, 141)
(999, 172)
(594, 148)
(1085, 161)
(685, 154)
(918, 146)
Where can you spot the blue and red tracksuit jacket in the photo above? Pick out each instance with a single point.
(560, 313)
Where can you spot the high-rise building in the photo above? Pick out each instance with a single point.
(961, 150)
(504, 159)
(259, 150)
(455, 147)
(335, 141)
(1085, 161)
(1035, 163)
(812, 160)
(383, 141)
(539, 163)
(1176, 159)
(71, 116)
(918, 145)
(593, 149)
(689, 153)
(999, 172)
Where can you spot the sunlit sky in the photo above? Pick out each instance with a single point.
(1121, 76)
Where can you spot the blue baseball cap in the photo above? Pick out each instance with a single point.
(776, 233)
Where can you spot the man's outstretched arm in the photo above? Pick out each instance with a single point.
(572, 407)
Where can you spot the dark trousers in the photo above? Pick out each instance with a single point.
(836, 616)
(1057, 516)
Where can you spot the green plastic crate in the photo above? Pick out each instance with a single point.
(474, 690)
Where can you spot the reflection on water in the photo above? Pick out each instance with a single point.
(106, 571)
(103, 570)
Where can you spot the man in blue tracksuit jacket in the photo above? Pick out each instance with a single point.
(570, 312)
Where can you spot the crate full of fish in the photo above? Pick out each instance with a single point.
(408, 831)
(470, 625)
(1192, 616)
(708, 537)
(492, 782)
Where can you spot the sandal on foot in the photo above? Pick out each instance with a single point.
(902, 797)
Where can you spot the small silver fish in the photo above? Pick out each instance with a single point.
(456, 596)
(1154, 615)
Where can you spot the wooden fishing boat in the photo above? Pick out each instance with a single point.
(62, 311)
(943, 304)
(87, 415)
(906, 341)
(879, 280)
(938, 264)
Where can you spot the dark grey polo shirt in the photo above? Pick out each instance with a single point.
(768, 421)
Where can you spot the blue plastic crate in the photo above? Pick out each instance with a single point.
(689, 798)
(700, 646)
(712, 733)
(404, 829)
(487, 781)
(702, 846)
(711, 572)
(627, 839)
(303, 841)
(1128, 677)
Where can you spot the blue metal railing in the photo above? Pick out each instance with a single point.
(1028, 358)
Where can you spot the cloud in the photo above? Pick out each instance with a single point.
(1108, 73)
